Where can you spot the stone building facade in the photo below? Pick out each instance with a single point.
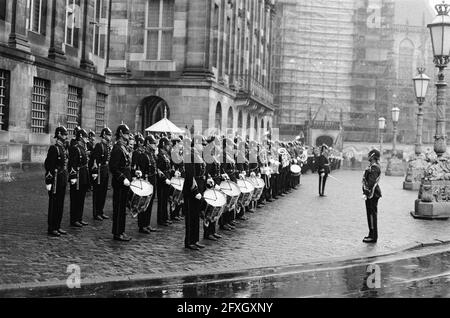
(100, 62)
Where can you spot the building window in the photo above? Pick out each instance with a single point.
(40, 105)
(73, 20)
(37, 16)
(4, 99)
(100, 112)
(159, 25)
(99, 43)
(216, 35)
(3, 10)
(73, 108)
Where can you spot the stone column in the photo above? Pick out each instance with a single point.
(418, 146)
(222, 41)
(198, 61)
(58, 20)
(86, 47)
(18, 36)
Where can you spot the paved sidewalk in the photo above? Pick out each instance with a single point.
(300, 227)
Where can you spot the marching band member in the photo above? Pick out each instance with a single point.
(214, 180)
(79, 178)
(151, 148)
(274, 166)
(120, 168)
(372, 193)
(228, 169)
(56, 177)
(140, 167)
(323, 166)
(178, 166)
(193, 187)
(91, 143)
(101, 156)
(164, 164)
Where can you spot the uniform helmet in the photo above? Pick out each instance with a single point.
(91, 133)
(323, 147)
(374, 154)
(75, 130)
(81, 133)
(122, 130)
(105, 131)
(198, 139)
(163, 142)
(60, 130)
(175, 140)
(150, 140)
(139, 138)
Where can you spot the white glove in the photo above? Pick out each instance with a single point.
(126, 182)
(259, 175)
(218, 188)
(94, 176)
(322, 174)
(295, 161)
(177, 174)
(168, 182)
(48, 186)
(198, 196)
(139, 173)
(73, 181)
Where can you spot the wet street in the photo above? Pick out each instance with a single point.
(299, 228)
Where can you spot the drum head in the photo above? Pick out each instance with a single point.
(177, 183)
(296, 169)
(142, 188)
(230, 188)
(245, 186)
(215, 198)
(257, 182)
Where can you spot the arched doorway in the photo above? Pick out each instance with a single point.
(230, 118)
(327, 140)
(256, 137)
(218, 117)
(262, 127)
(153, 109)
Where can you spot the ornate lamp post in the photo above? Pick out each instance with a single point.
(395, 165)
(381, 127)
(417, 166)
(434, 194)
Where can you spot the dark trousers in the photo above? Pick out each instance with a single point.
(192, 220)
(274, 185)
(120, 197)
(99, 196)
(55, 208)
(372, 212)
(322, 182)
(77, 198)
(209, 230)
(145, 217)
(163, 191)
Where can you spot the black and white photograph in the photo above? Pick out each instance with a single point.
(242, 152)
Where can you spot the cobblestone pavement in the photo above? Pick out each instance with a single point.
(297, 228)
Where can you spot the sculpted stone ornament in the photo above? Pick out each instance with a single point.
(415, 172)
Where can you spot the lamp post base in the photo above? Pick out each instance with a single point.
(415, 172)
(431, 210)
(395, 168)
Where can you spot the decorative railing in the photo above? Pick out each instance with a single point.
(248, 84)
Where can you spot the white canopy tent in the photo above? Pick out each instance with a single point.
(166, 126)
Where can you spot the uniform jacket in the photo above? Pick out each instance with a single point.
(164, 164)
(370, 181)
(57, 158)
(101, 155)
(78, 164)
(120, 163)
(323, 164)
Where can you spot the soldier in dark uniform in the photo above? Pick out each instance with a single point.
(120, 168)
(140, 164)
(90, 145)
(372, 193)
(152, 174)
(74, 141)
(79, 178)
(56, 177)
(101, 156)
(214, 181)
(178, 167)
(164, 164)
(323, 168)
(228, 169)
(191, 198)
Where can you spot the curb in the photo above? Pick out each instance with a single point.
(97, 287)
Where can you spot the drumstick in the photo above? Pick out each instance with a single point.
(140, 188)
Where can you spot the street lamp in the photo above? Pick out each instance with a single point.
(381, 126)
(440, 40)
(395, 112)
(421, 82)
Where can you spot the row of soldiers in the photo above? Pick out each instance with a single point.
(83, 165)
